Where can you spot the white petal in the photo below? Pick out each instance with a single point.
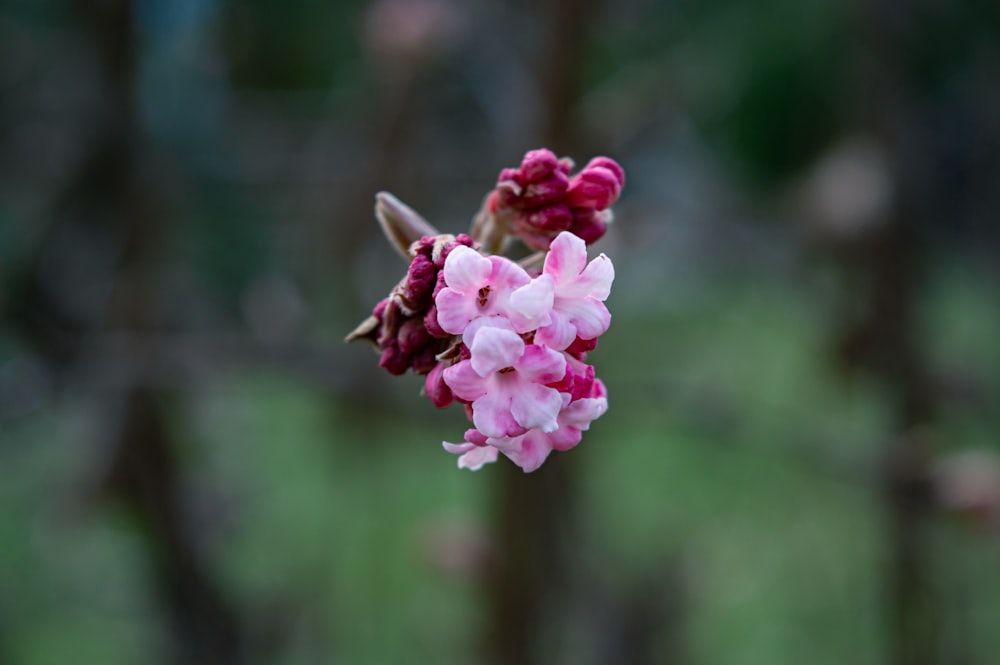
(491, 415)
(493, 347)
(454, 310)
(566, 258)
(464, 382)
(536, 407)
(595, 281)
(466, 270)
(533, 451)
(559, 334)
(530, 306)
(590, 317)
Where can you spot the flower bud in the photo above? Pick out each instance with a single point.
(594, 187)
(551, 218)
(425, 360)
(537, 165)
(420, 279)
(588, 225)
(437, 390)
(412, 336)
(431, 324)
(393, 360)
(609, 164)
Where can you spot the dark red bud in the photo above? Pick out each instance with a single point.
(588, 226)
(394, 361)
(551, 218)
(595, 188)
(425, 360)
(412, 336)
(432, 326)
(420, 280)
(609, 164)
(437, 390)
(550, 190)
(538, 164)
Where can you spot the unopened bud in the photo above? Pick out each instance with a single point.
(588, 225)
(437, 390)
(594, 187)
(609, 164)
(537, 165)
(552, 218)
(412, 336)
(550, 190)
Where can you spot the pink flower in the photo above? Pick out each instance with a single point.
(473, 457)
(489, 286)
(505, 379)
(579, 292)
(531, 449)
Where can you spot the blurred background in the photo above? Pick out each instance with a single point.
(800, 461)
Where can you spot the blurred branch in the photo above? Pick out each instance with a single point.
(172, 360)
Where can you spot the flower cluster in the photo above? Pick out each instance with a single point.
(524, 379)
(541, 199)
(507, 340)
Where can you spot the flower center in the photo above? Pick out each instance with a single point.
(483, 295)
(507, 370)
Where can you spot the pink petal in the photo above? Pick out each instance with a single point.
(590, 317)
(506, 275)
(475, 459)
(493, 347)
(531, 304)
(582, 412)
(565, 437)
(491, 415)
(534, 449)
(464, 382)
(595, 281)
(472, 457)
(536, 407)
(540, 364)
(475, 436)
(559, 334)
(566, 258)
(466, 270)
(458, 448)
(506, 444)
(454, 310)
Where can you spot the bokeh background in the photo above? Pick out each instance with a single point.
(799, 464)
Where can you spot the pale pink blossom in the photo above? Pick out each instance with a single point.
(580, 290)
(505, 382)
(473, 457)
(531, 449)
(480, 286)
